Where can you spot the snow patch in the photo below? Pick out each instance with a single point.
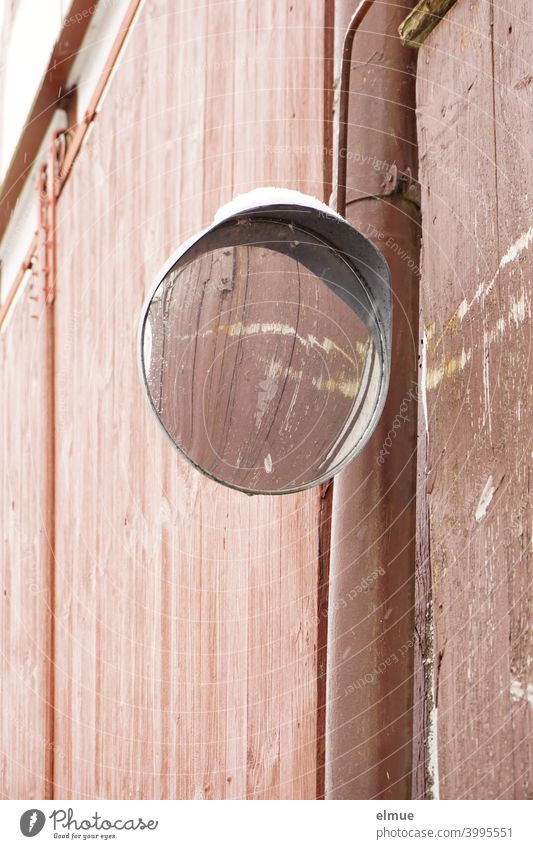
(270, 196)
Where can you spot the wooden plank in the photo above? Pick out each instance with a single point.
(284, 153)
(186, 626)
(510, 357)
(26, 739)
(422, 20)
(476, 477)
(423, 779)
(456, 159)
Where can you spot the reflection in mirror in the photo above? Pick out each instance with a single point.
(258, 370)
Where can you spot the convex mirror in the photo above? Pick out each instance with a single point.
(265, 343)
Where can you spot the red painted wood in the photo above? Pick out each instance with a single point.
(26, 739)
(474, 104)
(186, 613)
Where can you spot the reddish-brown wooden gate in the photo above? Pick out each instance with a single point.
(162, 636)
(170, 648)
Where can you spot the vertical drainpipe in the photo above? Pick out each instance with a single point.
(369, 718)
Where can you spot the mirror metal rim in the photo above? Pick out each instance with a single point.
(367, 262)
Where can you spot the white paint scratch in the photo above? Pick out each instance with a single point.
(518, 247)
(486, 497)
(268, 464)
(487, 415)
(433, 752)
(519, 692)
(423, 381)
(512, 253)
(433, 376)
(500, 328)
(268, 389)
(517, 313)
(462, 309)
(432, 734)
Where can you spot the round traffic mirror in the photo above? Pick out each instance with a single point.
(265, 343)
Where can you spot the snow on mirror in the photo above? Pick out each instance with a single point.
(265, 344)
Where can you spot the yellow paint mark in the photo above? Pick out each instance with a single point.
(341, 384)
(239, 328)
(430, 331)
(447, 369)
(451, 327)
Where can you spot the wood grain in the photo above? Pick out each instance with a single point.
(513, 371)
(186, 613)
(26, 739)
(475, 308)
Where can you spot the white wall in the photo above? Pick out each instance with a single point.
(31, 39)
(32, 36)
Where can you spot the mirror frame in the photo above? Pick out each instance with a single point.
(370, 275)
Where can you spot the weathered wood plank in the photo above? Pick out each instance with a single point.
(476, 343)
(509, 352)
(26, 740)
(423, 780)
(456, 135)
(186, 625)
